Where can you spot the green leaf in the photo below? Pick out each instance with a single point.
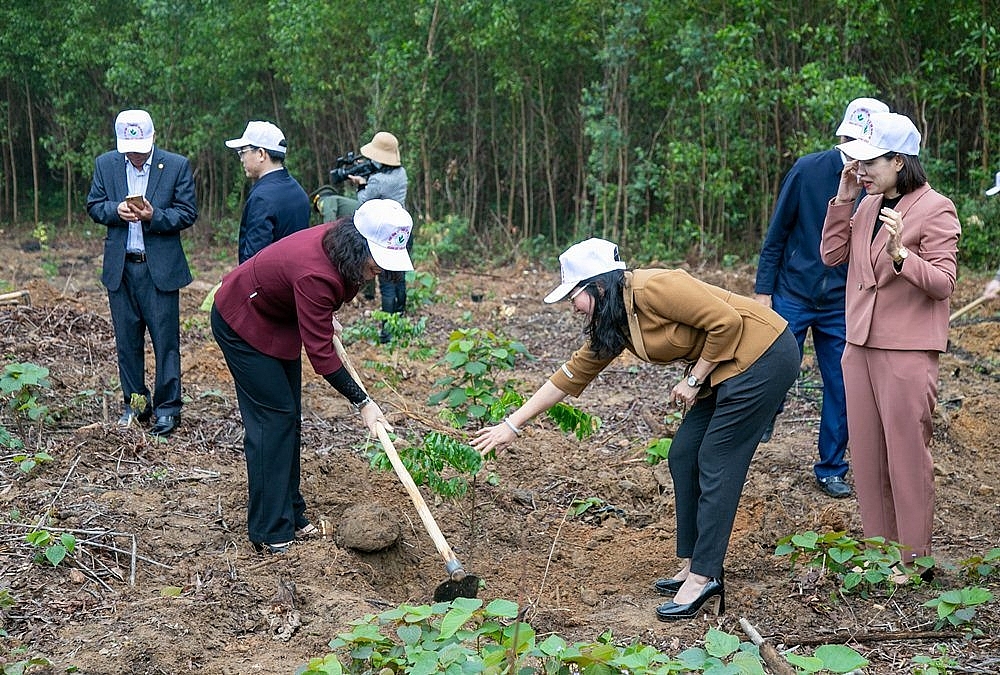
(171, 591)
(720, 644)
(504, 609)
(476, 368)
(55, 554)
(841, 555)
(453, 620)
(409, 634)
(840, 658)
(805, 540)
(553, 645)
(809, 664)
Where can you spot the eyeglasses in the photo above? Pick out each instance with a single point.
(869, 163)
(574, 294)
(239, 153)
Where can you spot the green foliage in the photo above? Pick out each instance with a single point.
(957, 607)
(6, 599)
(9, 441)
(429, 463)
(466, 636)
(27, 463)
(934, 665)
(573, 420)
(402, 329)
(21, 384)
(578, 507)
(41, 234)
(982, 567)
(861, 565)
(658, 450)
(833, 658)
(477, 356)
(421, 289)
(447, 241)
(22, 666)
(49, 549)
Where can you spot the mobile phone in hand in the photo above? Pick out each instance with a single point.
(135, 201)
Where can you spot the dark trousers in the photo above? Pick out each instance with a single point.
(711, 452)
(138, 306)
(269, 392)
(392, 286)
(829, 337)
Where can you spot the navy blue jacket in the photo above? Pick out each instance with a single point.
(171, 192)
(276, 206)
(790, 264)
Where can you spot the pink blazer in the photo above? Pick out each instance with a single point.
(886, 309)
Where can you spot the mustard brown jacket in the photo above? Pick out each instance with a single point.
(682, 318)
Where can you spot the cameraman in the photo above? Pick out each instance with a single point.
(389, 182)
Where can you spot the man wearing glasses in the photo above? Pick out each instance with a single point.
(276, 205)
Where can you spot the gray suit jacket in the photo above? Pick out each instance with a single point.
(171, 192)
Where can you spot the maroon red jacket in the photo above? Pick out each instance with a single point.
(284, 297)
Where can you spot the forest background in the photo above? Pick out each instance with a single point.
(665, 125)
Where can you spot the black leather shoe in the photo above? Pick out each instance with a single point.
(273, 549)
(165, 425)
(669, 586)
(834, 486)
(131, 415)
(714, 594)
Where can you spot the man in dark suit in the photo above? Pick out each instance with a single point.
(145, 197)
(792, 280)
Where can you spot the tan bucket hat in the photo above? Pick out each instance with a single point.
(384, 149)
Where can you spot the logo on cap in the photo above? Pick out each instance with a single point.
(397, 240)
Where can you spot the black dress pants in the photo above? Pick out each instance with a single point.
(269, 392)
(711, 452)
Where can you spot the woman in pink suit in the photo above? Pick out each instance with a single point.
(901, 248)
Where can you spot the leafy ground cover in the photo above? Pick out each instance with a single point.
(156, 574)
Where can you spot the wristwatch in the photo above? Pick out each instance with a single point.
(692, 381)
(903, 255)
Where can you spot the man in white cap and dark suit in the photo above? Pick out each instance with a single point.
(276, 205)
(145, 196)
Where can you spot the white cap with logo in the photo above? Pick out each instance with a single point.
(134, 131)
(887, 132)
(583, 261)
(261, 135)
(386, 226)
(856, 117)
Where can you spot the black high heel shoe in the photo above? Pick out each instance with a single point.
(667, 586)
(714, 593)
(671, 586)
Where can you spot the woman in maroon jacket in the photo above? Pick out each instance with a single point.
(269, 308)
(901, 246)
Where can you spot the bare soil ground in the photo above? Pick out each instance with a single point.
(150, 516)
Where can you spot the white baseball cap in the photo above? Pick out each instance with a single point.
(386, 226)
(583, 261)
(887, 132)
(856, 117)
(996, 188)
(261, 135)
(134, 131)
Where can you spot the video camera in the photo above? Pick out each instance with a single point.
(352, 165)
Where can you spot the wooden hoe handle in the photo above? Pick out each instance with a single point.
(451, 562)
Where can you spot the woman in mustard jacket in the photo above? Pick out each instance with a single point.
(741, 361)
